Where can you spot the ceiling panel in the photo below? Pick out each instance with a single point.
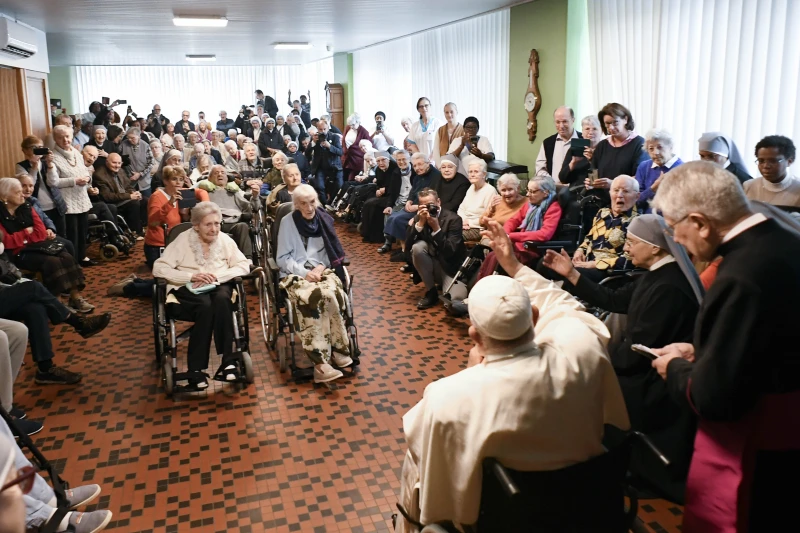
(102, 32)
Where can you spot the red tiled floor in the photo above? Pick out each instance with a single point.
(276, 456)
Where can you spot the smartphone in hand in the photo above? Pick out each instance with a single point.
(644, 350)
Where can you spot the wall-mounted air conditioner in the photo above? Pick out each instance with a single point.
(16, 40)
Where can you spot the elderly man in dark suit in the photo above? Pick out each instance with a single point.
(326, 162)
(437, 247)
(117, 189)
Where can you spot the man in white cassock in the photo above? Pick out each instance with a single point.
(537, 391)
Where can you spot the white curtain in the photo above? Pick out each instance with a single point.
(692, 66)
(465, 63)
(202, 88)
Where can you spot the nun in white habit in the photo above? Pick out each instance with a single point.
(537, 391)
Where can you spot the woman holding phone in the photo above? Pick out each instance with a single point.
(471, 146)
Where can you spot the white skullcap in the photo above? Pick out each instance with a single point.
(499, 308)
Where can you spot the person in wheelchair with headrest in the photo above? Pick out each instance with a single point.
(311, 261)
(197, 266)
(535, 395)
(283, 192)
(537, 220)
(236, 209)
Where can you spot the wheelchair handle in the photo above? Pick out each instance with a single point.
(653, 448)
(509, 487)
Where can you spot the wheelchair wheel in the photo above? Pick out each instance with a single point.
(247, 362)
(264, 309)
(283, 358)
(109, 252)
(158, 333)
(169, 378)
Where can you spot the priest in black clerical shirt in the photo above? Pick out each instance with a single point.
(661, 306)
(741, 373)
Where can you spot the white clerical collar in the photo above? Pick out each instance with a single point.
(661, 262)
(744, 225)
(574, 136)
(525, 349)
(778, 187)
(668, 164)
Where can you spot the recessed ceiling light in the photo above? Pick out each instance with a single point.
(292, 46)
(218, 22)
(200, 57)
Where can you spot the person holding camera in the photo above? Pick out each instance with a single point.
(326, 162)
(381, 139)
(38, 164)
(471, 146)
(437, 248)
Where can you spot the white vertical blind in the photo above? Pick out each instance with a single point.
(202, 88)
(692, 66)
(465, 63)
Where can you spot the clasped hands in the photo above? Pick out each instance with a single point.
(315, 275)
(203, 278)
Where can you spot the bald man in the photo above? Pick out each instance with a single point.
(117, 189)
(555, 148)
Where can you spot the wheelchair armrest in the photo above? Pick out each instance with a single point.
(273, 265)
(346, 263)
(547, 245)
(161, 282)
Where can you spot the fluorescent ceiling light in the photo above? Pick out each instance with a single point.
(292, 46)
(218, 22)
(200, 57)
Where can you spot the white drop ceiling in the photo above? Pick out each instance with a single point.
(141, 32)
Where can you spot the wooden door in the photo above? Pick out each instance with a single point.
(11, 127)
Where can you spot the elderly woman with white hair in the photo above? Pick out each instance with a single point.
(650, 174)
(576, 167)
(74, 180)
(197, 266)
(311, 260)
(353, 158)
(479, 195)
(231, 155)
(273, 177)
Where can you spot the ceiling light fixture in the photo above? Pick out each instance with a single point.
(216, 22)
(292, 46)
(200, 57)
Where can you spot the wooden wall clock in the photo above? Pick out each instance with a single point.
(533, 98)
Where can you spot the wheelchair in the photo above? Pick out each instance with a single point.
(114, 239)
(167, 338)
(283, 314)
(581, 498)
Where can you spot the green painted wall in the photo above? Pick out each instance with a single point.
(61, 83)
(541, 25)
(343, 74)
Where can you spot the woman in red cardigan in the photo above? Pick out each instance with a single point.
(536, 221)
(353, 156)
(24, 234)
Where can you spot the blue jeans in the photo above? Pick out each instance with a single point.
(327, 188)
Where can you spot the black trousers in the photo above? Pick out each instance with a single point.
(77, 228)
(212, 314)
(59, 221)
(33, 305)
(132, 213)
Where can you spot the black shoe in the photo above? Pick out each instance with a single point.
(386, 248)
(29, 427)
(399, 257)
(430, 299)
(198, 381)
(17, 413)
(57, 376)
(92, 325)
(89, 263)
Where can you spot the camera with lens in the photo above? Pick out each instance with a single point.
(433, 210)
(41, 151)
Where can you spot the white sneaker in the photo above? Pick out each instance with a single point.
(325, 373)
(342, 361)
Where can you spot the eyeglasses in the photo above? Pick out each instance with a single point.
(25, 478)
(423, 105)
(770, 162)
(533, 191)
(674, 224)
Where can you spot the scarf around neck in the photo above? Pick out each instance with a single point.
(535, 215)
(322, 226)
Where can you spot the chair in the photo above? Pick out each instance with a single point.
(284, 323)
(587, 497)
(568, 234)
(167, 339)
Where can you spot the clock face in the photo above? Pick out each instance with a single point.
(530, 102)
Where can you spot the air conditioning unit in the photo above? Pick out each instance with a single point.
(17, 40)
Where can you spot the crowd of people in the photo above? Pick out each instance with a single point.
(698, 244)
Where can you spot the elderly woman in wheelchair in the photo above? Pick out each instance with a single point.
(198, 266)
(311, 262)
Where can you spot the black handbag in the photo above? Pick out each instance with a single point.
(43, 247)
(9, 273)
